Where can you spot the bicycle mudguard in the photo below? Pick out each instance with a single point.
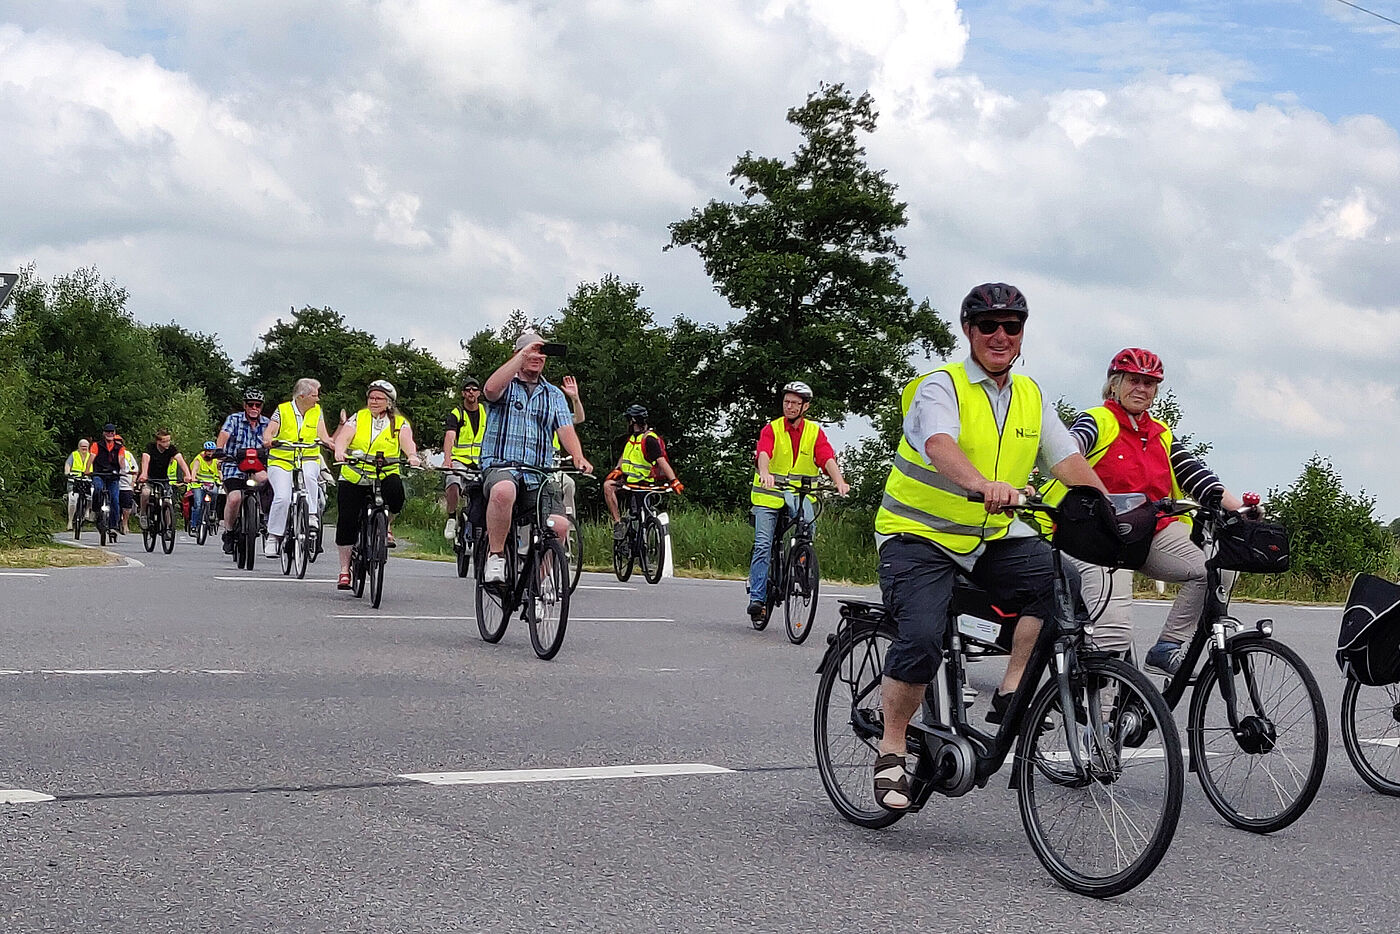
(857, 618)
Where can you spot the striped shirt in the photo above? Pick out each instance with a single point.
(521, 424)
(242, 434)
(1192, 475)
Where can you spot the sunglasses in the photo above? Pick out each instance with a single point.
(253, 405)
(1012, 328)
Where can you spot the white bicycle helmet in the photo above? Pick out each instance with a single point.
(386, 387)
(799, 388)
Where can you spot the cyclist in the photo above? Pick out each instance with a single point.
(378, 428)
(298, 421)
(566, 485)
(107, 463)
(130, 468)
(461, 447)
(241, 431)
(1132, 452)
(788, 447)
(75, 466)
(157, 461)
(643, 460)
(205, 468)
(524, 409)
(969, 427)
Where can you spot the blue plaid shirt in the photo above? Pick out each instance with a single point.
(242, 434)
(520, 425)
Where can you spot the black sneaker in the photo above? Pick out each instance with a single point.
(228, 543)
(755, 610)
(1000, 702)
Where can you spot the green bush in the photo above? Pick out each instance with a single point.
(1332, 534)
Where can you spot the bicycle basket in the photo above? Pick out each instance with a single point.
(1255, 547)
(1089, 528)
(1368, 646)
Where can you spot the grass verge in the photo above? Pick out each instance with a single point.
(55, 556)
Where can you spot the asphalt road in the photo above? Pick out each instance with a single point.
(226, 752)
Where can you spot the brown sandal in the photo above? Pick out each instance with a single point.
(891, 782)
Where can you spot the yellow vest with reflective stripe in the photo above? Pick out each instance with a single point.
(468, 451)
(287, 431)
(172, 472)
(80, 462)
(920, 501)
(206, 469)
(368, 444)
(1109, 429)
(785, 465)
(635, 466)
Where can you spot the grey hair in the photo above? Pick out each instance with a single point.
(304, 387)
(1110, 386)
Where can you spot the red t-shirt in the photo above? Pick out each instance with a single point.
(821, 453)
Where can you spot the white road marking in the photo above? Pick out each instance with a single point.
(565, 775)
(602, 587)
(1157, 753)
(620, 619)
(390, 616)
(280, 580)
(22, 796)
(1393, 741)
(121, 671)
(572, 619)
(21, 574)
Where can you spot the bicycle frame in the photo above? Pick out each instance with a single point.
(539, 531)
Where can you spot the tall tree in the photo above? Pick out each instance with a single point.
(810, 258)
(196, 360)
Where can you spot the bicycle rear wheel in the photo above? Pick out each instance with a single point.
(301, 537)
(573, 547)
(847, 723)
(168, 528)
(492, 611)
(1371, 733)
(547, 601)
(803, 581)
(1100, 829)
(653, 549)
(150, 527)
(1264, 778)
(624, 558)
(80, 509)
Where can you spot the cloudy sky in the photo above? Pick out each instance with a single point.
(1218, 181)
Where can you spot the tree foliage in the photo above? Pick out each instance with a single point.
(196, 361)
(810, 258)
(1331, 533)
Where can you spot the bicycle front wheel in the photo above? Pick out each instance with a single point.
(1264, 777)
(573, 547)
(547, 605)
(378, 556)
(653, 549)
(848, 722)
(301, 537)
(168, 529)
(492, 609)
(461, 545)
(1101, 826)
(1371, 733)
(150, 528)
(250, 527)
(201, 534)
(803, 581)
(624, 558)
(80, 510)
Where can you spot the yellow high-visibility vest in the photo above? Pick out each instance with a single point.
(368, 444)
(466, 449)
(786, 465)
(288, 431)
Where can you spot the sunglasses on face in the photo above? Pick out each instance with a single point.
(253, 405)
(1012, 328)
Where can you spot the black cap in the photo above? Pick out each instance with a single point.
(470, 381)
(109, 427)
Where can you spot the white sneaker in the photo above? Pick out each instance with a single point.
(449, 531)
(495, 570)
(270, 547)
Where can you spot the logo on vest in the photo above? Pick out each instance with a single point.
(1028, 432)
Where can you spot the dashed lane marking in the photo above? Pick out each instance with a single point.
(279, 580)
(22, 796)
(21, 574)
(121, 671)
(602, 587)
(593, 773)
(1392, 741)
(572, 619)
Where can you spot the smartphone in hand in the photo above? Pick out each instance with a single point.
(550, 349)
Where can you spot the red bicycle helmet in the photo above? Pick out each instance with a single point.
(1136, 360)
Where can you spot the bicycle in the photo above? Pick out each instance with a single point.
(208, 494)
(106, 503)
(794, 576)
(82, 490)
(1256, 727)
(1368, 651)
(248, 524)
(464, 542)
(536, 575)
(370, 552)
(1098, 816)
(299, 539)
(159, 521)
(645, 540)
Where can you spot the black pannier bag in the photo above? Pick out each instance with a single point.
(1112, 534)
(1368, 646)
(1255, 547)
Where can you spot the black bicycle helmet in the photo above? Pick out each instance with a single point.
(636, 412)
(252, 395)
(992, 297)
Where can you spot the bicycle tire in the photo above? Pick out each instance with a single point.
(150, 528)
(301, 537)
(847, 723)
(547, 604)
(80, 508)
(772, 589)
(653, 549)
(250, 527)
(378, 556)
(358, 567)
(1365, 713)
(492, 614)
(201, 534)
(168, 528)
(803, 584)
(1271, 772)
(624, 557)
(574, 549)
(1116, 780)
(460, 547)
